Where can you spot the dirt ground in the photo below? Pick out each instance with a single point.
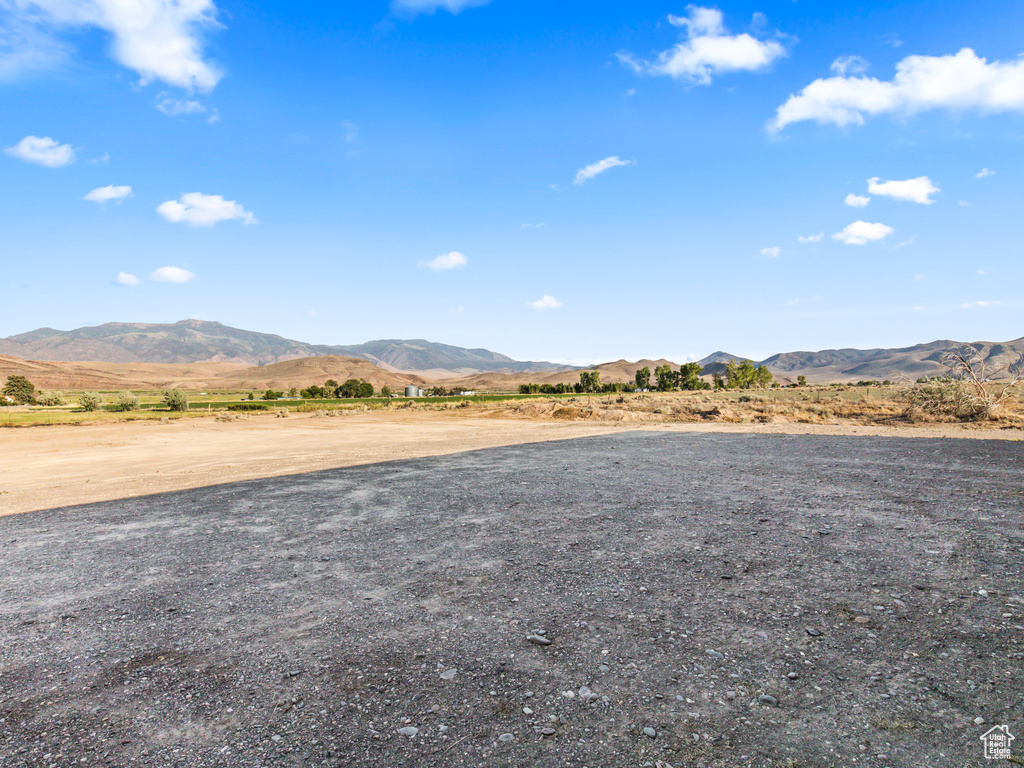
(59, 465)
(645, 598)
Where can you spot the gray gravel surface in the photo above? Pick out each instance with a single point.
(709, 600)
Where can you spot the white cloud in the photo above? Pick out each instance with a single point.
(849, 65)
(104, 159)
(963, 203)
(917, 190)
(531, 226)
(909, 241)
(201, 210)
(351, 132)
(446, 261)
(863, 232)
(123, 278)
(159, 39)
(959, 82)
(708, 50)
(792, 302)
(110, 192)
(771, 253)
(171, 275)
(599, 167)
(545, 302)
(857, 201)
(42, 151)
(981, 304)
(174, 107)
(811, 238)
(984, 173)
(413, 7)
(981, 271)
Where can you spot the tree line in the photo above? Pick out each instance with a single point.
(738, 375)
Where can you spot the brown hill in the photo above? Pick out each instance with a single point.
(110, 376)
(315, 370)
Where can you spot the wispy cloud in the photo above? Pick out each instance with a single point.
(171, 275)
(544, 303)
(42, 150)
(917, 190)
(125, 279)
(201, 210)
(708, 50)
(446, 261)
(849, 65)
(805, 239)
(531, 226)
(955, 82)
(980, 304)
(857, 201)
(158, 39)
(984, 173)
(110, 192)
(599, 167)
(413, 7)
(862, 232)
(771, 253)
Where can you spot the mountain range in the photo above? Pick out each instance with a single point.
(198, 353)
(195, 341)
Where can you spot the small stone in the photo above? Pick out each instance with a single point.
(793, 676)
(983, 592)
(587, 695)
(528, 695)
(547, 731)
(506, 737)
(449, 674)
(862, 620)
(276, 739)
(813, 632)
(527, 711)
(409, 730)
(979, 721)
(538, 640)
(714, 654)
(605, 668)
(650, 733)
(768, 701)
(730, 695)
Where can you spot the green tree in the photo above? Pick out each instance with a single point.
(801, 381)
(176, 399)
(293, 392)
(643, 378)
(590, 381)
(385, 391)
(741, 375)
(50, 397)
(665, 377)
(689, 377)
(718, 381)
(90, 401)
(20, 389)
(763, 377)
(365, 389)
(126, 401)
(330, 384)
(271, 395)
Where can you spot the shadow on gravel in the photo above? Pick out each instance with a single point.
(708, 600)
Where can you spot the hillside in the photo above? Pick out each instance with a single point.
(315, 370)
(194, 341)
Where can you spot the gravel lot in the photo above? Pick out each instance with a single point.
(709, 600)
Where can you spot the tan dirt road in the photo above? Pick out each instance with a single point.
(49, 467)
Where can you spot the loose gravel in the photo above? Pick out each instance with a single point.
(642, 599)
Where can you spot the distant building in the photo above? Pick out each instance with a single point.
(412, 391)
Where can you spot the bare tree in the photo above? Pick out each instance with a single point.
(987, 390)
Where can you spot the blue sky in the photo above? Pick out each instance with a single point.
(577, 182)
